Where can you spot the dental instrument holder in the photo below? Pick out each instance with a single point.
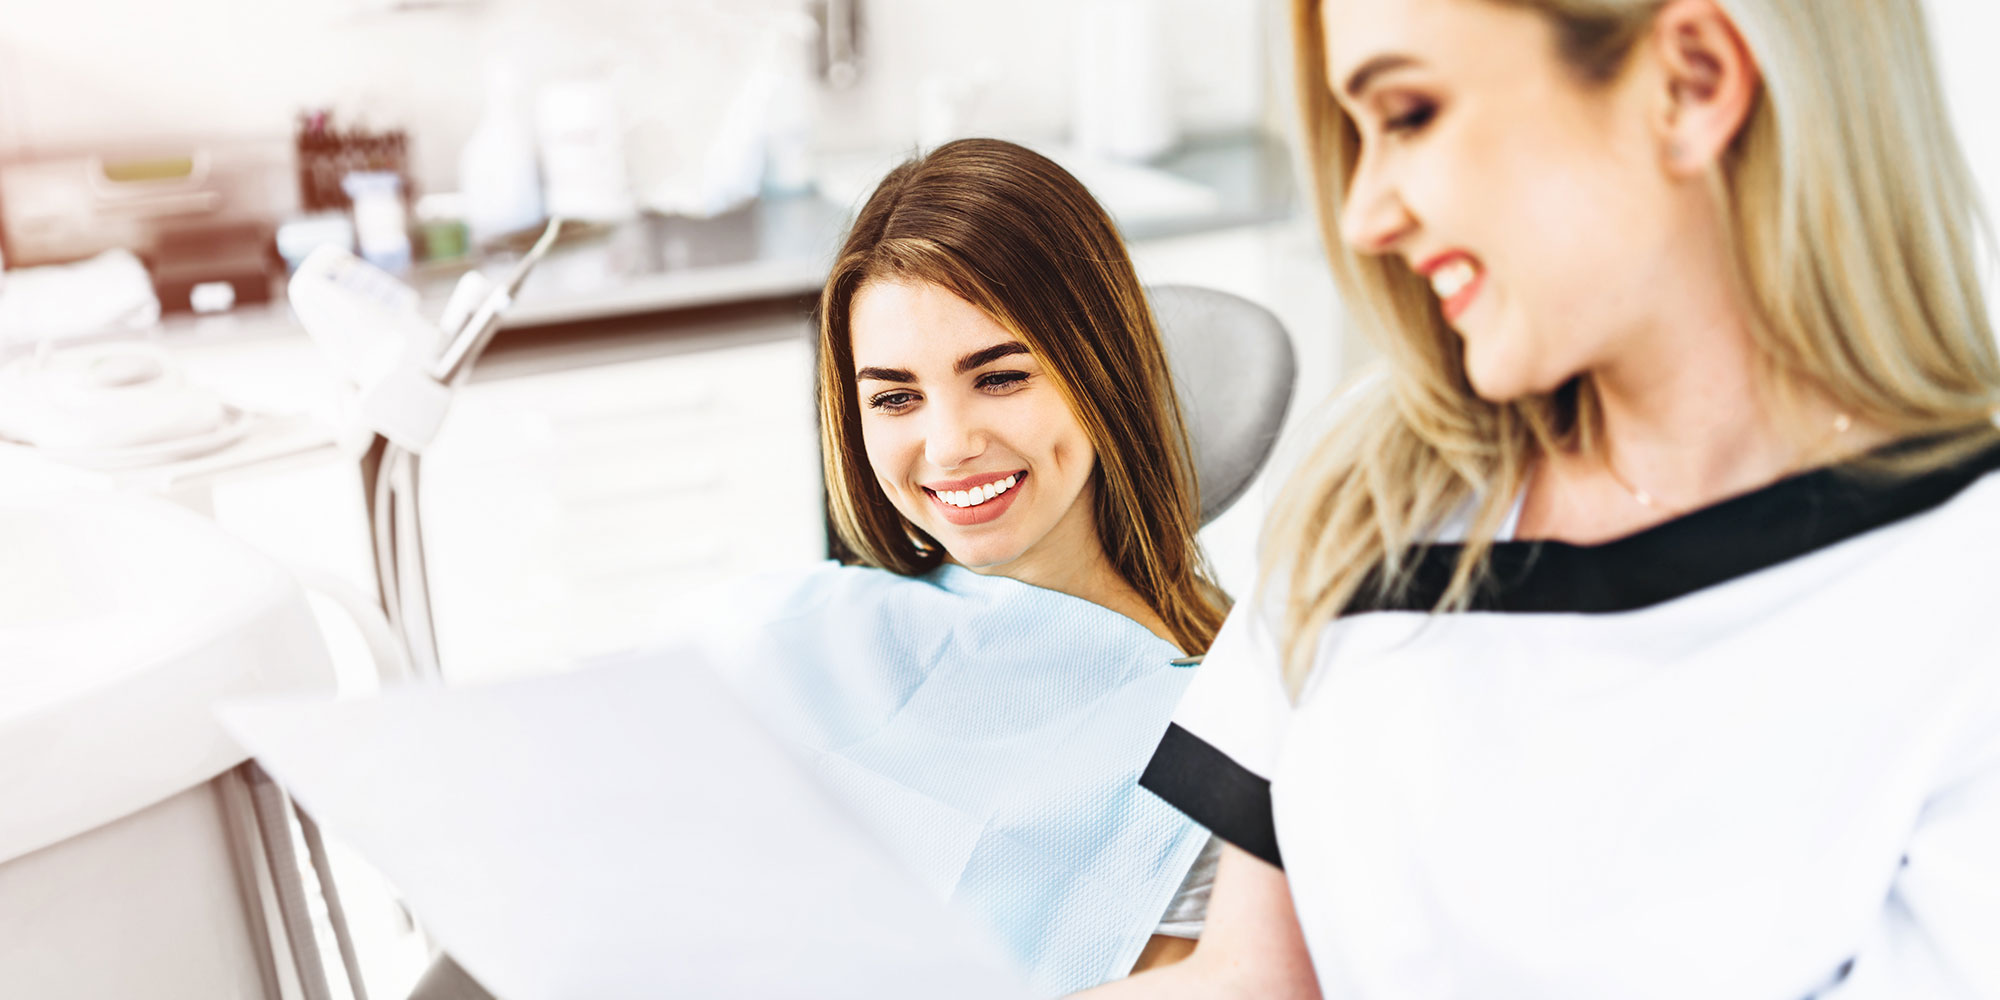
(407, 369)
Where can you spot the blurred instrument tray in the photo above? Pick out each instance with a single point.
(198, 212)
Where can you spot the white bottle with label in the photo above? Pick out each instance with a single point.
(582, 138)
(381, 225)
(497, 171)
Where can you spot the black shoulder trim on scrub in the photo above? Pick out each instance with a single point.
(1737, 537)
(1228, 798)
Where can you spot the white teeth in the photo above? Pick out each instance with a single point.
(976, 495)
(1452, 278)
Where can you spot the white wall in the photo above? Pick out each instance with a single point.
(1967, 33)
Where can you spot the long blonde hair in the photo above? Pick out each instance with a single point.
(1853, 222)
(1009, 231)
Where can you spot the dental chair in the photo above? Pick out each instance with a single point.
(142, 854)
(1234, 371)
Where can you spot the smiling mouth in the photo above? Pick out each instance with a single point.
(976, 495)
(1455, 284)
(1452, 278)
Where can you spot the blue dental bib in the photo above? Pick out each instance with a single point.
(990, 733)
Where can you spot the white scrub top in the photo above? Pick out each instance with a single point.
(1753, 752)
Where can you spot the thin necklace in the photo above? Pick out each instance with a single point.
(1841, 423)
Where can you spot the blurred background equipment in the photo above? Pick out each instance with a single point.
(838, 55)
(582, 146)
(381, 218)
(497, 170)
(112, 406)
(403, 369)
(327, 155)
(141, 853)
(57, 302)
(198, 212)
(1124, 107)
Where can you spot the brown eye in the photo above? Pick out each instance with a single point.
(893, 401)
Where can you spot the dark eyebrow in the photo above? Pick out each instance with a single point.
(980, 359)
(975, 360)
(1373, 68)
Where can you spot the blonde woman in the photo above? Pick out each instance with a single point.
(1635, 635)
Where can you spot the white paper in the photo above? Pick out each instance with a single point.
(620, 831)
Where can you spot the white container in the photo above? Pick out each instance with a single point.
(582, 140)
(381, 226)
(123, 620)
(497, 171)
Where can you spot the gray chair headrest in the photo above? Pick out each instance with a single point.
(1233, 370)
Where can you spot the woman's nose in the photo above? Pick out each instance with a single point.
(953, 437)
(1373, 217)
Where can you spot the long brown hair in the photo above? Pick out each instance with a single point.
(1012, 233)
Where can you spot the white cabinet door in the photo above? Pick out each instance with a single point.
(580, 512)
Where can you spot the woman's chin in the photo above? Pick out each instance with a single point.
(1493, 386)
(1504, 380)
(984, 556)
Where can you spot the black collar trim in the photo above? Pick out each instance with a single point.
(1734, 538)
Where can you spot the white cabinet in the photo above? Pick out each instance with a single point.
(582, 511)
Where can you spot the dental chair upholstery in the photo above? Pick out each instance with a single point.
(1233, 371)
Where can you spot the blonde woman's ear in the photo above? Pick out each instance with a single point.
(1710, 82)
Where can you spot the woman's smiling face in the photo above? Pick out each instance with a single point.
(1534, 204)
(968, 435)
